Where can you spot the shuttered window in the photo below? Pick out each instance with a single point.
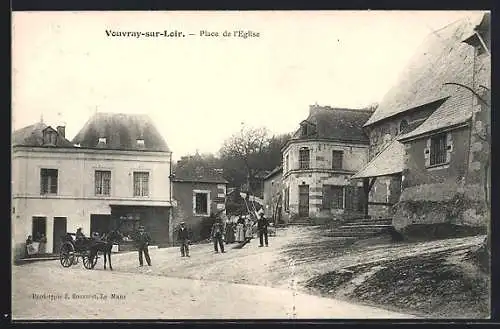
(333, 197)
(287, 199)
(48, 181)
(201, 203)
(337, 159)
(141, 183)
(102, 182)
(304, 157)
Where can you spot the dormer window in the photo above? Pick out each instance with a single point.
(49, 137)
(303, 130)
(307, 129)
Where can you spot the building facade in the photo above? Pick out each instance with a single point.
(197, 198)
(422, 136)
(115, 174)
(318, 161)
(273, 195)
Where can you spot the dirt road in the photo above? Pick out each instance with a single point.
(243, 283)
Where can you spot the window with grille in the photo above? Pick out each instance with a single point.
(286, 163)
(337, 159)
(201, 206)
(403, 126)
(141, 183)
(333, 197)
(438, 150)
(48, 181)
(304, 159)
(102, 182)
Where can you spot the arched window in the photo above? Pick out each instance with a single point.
(403, 126)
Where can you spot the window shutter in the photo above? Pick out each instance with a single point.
(427, 153)
(449, 147)
(194, 202)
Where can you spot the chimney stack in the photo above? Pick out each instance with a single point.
(61, 130)
(314, 108)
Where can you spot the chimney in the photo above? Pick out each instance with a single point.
(314, 108)
(61, 130)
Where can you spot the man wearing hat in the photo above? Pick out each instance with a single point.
(183, 238)
(217, 234)
(262, 225)
(143, 241)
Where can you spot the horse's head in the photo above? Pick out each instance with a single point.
(114, 237)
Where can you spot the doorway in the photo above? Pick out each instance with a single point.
(100, 224)
(303, 201)
(60, 230)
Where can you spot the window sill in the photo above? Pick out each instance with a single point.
(201, 215)
(439, 166)
(48, 194)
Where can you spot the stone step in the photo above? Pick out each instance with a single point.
(369, 221)
(366, 224)
(349, 235)
(357, 232)
(360, 230)
(363, 226)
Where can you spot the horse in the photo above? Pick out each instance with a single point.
(104, 245)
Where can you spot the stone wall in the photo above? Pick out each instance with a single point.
(183, 212)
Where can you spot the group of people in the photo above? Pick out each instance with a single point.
(225, 232)
(36, 245)
(238, 229)
(142, 240)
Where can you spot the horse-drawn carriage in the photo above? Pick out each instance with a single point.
(72, 250)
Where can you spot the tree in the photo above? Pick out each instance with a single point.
(243, 153)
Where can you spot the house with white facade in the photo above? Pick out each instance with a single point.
(318, 161)
(115, 174)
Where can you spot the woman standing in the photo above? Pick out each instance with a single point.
(240, 229)
(248, 229)
(43, 243)
(229, 231)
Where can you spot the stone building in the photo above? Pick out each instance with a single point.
(199, 191)
(318, 161)
(273, 194)
(113, 175)
(424, 160)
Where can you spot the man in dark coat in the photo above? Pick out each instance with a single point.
(217, 234)
(262, 225)
(143, 240)
(183, 238)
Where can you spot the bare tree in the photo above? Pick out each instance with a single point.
(247, 147)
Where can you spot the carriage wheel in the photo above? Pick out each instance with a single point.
(67, 254)
(89, 261)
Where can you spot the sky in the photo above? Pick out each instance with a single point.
(200, 89)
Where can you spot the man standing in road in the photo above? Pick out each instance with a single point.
(217, 234)
(143, 241)
(183, 238)
(262, 225)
